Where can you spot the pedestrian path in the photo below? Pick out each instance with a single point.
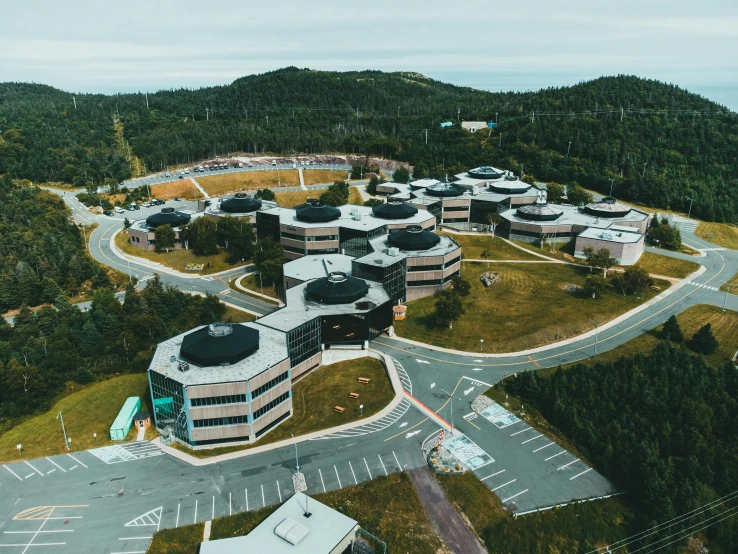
(683, 223)
(703, 286)
(302, 179)
(198, 187)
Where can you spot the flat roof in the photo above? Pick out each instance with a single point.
(420, 198)
(612, 235)
(314, 266)
(573, 216)
(367, 222)
(214, 207)
(272, 350)
(300, 309)
(380, 257)
(140, 224)
(323, 531)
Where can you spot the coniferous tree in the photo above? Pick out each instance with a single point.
(704, 341)
(672, 330)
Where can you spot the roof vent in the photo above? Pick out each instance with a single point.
(393, 251)
(291, 531)
(183, 366)
(220, 329)
(167, 210)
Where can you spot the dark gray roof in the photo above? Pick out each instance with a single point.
(413, 237)
(539, 212)
(445, 190)
(168, 216)
(336, 288)
(219, 344)
(509, 187)
(607, 207)
(240, 204)
(394, 210)
(314, 211)
(485, 172)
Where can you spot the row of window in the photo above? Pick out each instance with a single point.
(220, 421)
(455, 208)
(266, 386)
(303, 238)
(266, 407)
(428, 282)
(218, 400)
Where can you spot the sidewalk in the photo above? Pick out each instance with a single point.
(572, 340)
(198, 187)
(288, 443)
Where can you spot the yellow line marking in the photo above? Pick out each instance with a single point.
(532, 360)
(42, 512)
(406, 430)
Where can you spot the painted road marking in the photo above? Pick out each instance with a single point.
(514, 496)
(195, 520)
(367, 469)
(381, 462)
(500, 486)
(263, 502)
(404, 424)
(321, 480)
(212, 513)
(534, 438)
(559, 454)
(468, 391)
(76, 460)
(337, 477)
(33, 468)
(51, 471)
(523, 431)
(477, 369)
(149, 519)
(567, 465)
(30, 475)
(177, 522)
(542, 447)
(421, 361)
(57, 465)
(488, 476)
(396, 461)
(352, 473)
(279, 491)
(230, 505)
(476, 382)
(582, 473)
(13, 472)
(246, 494)
(433, 385)
(408, 435)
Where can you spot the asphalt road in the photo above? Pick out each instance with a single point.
(113, 500)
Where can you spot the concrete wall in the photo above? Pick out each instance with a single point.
(413, 293)
(305, 366)
(140, 239)
(624, 253)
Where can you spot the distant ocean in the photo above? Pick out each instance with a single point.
(725, 94)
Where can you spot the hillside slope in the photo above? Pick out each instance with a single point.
(660, 144)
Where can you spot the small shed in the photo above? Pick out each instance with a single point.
(142, 420)
(122, 424)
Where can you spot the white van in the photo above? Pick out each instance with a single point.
(274, 162)
(187, 171)
(119, 210)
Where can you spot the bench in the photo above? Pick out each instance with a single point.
(654, 287)
(339, 409)
(363, 380)
(353, 395)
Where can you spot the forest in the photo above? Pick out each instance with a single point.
(654, 143)
(662, 427)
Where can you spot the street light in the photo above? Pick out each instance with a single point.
(597, 329)
(261, 285)
(451, 397)
(361, 408)
(19, 446)
(481, 343)
(297, 461)
(60, 417)
(612, 183)
(689, 214)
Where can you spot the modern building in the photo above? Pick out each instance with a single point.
(317, 228)
(239, 205)
(625, 244)
(141, 233)
(300, 525)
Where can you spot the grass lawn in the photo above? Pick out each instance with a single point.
(224, 183)
(563, 252)
(528, 307)
(387, 507)
(177, 259)
(473, 246)
(733, 282)
(237, 316)
(724, 327)
(315, 396)
(577, 528)
(290, 199)
(252, 282)
(722, 234)
(666, 265)
(181, 188)
(87, 410)
(323, 176)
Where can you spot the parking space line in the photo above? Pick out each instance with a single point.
(367, 469)
(534, 438)
(230, 505)
(177, 523)
(76, 460)
(195, 520)
(381, 462)
(13, 472)
(488, 476)
(542, 447)
(567, 465)
(559, 454)
(321, 479)
(397, 461)
(523, 431)
(514, 496)
(51, 471)
(246, 494)
(279, 492)
(337, 477)
(212, 514)
(33, 468)
(352, 473)
(263, 502)
(582, 473)
(57, 465)
(500, 486)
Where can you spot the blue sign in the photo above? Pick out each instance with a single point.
(492, 124)
(447, 124)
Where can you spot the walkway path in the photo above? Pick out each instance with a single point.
(197, 185)
(443, 515)
(302, 179)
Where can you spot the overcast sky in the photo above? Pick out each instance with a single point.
(98, 46)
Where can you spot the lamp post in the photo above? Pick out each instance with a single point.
(20, 449)
(60, 417)
(597, 329)
(689, 214)
(361, 410)
(481, 343)
(451, 397)
(261, 285)
(726, 298)
(612, 184)
(297, 461)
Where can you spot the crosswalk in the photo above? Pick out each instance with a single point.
(116, 454)
(716, 249)
(703, 286)
(683, 223)
(379, 425)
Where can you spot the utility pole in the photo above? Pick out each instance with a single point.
(146, 95)
(597, 329)
(267, 119)
(495, 118)
(621, 114)
(451, 397)
(643, 174)
(568, 149)
(500, 141)
(297, 460)
(398, 111)
(727, 292)
(458, 114)
(689, 214)
(533, 118)
(426, 135)
(612, 183)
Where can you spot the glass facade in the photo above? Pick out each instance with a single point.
(169, 405)
(480, 211)
(220, 421)
(357, 328)
(267, 225)
(392, 276)
(271, 384)
(273, 404)
(217, 400)
(355, 243)
(304, 341)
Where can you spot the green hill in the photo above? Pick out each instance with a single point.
(660, 144)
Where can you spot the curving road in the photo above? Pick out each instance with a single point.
(112, 500)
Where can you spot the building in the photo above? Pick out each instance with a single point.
(625, 244)
(300, 525)
(317, 228)
(240, 205)
(141, 233)
(473, 126)
(123, 421)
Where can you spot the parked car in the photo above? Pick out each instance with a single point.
(156, 202)
(181, 176)
(177, 199)
(187, 171)
(146, 205)
(274, 162)
(108, 212)
(167, 174)
(119, 210)
(250, 164)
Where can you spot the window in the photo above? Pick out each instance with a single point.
(273, 404)
(455, 208)
(266, 386)
(293, 249)
(277, 421)
(293, 236)
(218, 400)
(220, 421)
(425, 267)
(304, 341)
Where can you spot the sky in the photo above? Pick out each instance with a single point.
(97, 46)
